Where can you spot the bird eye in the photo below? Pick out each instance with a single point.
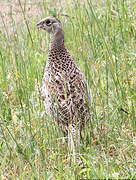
(48, 22)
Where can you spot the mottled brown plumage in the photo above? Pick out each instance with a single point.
(64, 89)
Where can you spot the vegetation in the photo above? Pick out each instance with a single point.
(101, 37)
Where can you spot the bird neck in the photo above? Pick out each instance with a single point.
(57, 40)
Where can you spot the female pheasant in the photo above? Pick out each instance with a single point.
(64, 89)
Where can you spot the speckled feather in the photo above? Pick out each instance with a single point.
(64, 89)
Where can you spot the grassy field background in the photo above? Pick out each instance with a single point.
(101, 36)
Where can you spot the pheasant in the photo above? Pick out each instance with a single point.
(64, 89)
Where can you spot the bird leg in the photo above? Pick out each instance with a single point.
(73, 140)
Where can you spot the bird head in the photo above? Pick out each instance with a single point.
(50, 24)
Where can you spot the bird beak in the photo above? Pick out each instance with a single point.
(39, 25)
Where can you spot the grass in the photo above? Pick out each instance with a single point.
(101, 37)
